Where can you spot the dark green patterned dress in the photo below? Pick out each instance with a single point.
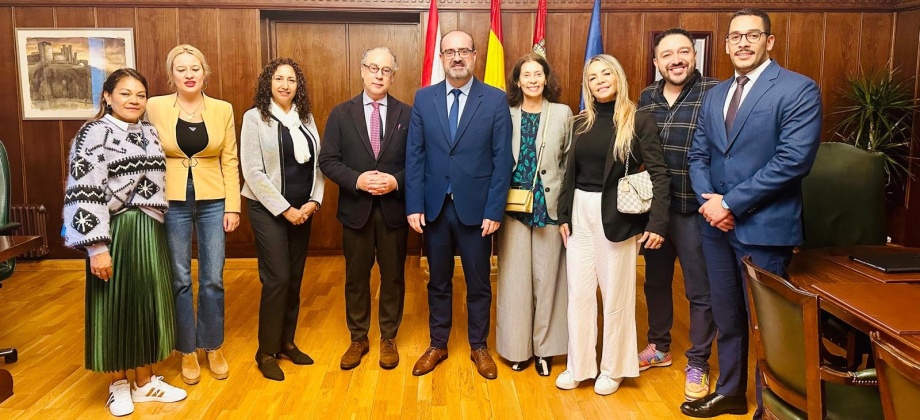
(523, 175)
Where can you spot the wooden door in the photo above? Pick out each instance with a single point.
(330, 56)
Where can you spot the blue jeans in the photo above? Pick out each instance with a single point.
(207, 218)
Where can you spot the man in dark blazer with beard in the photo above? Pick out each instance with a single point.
(364, 152)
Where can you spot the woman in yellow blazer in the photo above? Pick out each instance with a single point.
(203, 188)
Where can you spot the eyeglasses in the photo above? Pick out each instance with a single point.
(752, 36)
(374, 69)
(464, 52)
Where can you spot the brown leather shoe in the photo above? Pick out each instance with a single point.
(429, 360)
(352, 357)
(191, 371)
(389, 356)
(484, 363)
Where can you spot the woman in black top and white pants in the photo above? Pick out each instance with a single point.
(279, 146)
(602, 243)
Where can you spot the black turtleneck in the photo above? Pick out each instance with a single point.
(591, 150)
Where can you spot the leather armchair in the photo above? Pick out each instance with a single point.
(899, 380)
(6, 227)
(798, 381)
(844, 198)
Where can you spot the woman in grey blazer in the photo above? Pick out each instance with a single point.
(279, 149)
(531, 308)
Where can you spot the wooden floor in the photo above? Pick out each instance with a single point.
(41, 313)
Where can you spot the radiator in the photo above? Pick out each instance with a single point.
(34, 220)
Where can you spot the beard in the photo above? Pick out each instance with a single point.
(678, 80)
(458, 73)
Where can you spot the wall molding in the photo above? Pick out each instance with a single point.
(507, 5)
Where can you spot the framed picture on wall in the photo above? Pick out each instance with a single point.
(61, 71)
(703, 43)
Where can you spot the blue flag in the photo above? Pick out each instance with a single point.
(595, 44)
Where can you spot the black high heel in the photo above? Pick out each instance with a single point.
(296, 356)
(269, 366)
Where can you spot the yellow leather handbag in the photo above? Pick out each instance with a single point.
(521, 199)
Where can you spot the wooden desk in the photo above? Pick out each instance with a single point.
(819, 272)
(11, 247)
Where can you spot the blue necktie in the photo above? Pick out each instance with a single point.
(453, 117)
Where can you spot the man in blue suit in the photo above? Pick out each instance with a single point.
(756, 138)
(458, 169)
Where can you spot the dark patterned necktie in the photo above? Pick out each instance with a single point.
(734, 104)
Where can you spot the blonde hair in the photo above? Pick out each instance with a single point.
(624, 112)
(184, 49)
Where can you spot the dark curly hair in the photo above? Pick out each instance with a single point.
(263, 98)
(551, 91)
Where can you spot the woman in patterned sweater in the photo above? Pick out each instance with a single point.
(113, 209)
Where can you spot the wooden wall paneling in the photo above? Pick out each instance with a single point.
(11, 103)
(780, 29)
(578, 35)
(238, 67)
(517, 30)
(201, 28)
(623, 39)
(317, 48)
(806, 53)
(153, 39)
(841, 60)
(42, 140)
(875, 40)
(559, 54)
(477, 24)
(71, 17)
(117, 17)
(906, 51)
(721, 62)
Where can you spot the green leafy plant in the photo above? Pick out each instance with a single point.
(877, 108)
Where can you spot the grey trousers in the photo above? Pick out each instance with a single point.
(683, 242)
(532, 293)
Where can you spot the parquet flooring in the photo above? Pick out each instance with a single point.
(41, 313)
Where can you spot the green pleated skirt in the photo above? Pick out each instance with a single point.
(131, 319)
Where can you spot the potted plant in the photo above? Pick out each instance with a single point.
(876, 111)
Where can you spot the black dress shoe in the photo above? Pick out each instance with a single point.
(714, 405)
(543, 365)
(520, 366)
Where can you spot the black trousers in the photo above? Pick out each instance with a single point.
(442, 236)
(282, 250)
(386, 245)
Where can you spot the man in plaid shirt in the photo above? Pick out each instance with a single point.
(675, 101)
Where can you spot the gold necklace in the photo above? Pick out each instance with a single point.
(190, 115)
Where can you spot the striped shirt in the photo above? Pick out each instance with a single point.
(676, 125)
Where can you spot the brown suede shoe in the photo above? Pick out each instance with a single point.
(484, 363)
(429, 360)
(218, 364)
(191, 372)
(352, 357)
(389, 356)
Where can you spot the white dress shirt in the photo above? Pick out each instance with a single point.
(752, 76)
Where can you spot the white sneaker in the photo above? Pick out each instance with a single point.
(566, 380)
(119, 402)
(158, 391)
(605, 385)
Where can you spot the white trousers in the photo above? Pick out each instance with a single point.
(592, 261)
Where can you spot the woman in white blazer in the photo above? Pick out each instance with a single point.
(279, 150)
(531, 308)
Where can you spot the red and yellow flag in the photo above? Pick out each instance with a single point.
(495, 58)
